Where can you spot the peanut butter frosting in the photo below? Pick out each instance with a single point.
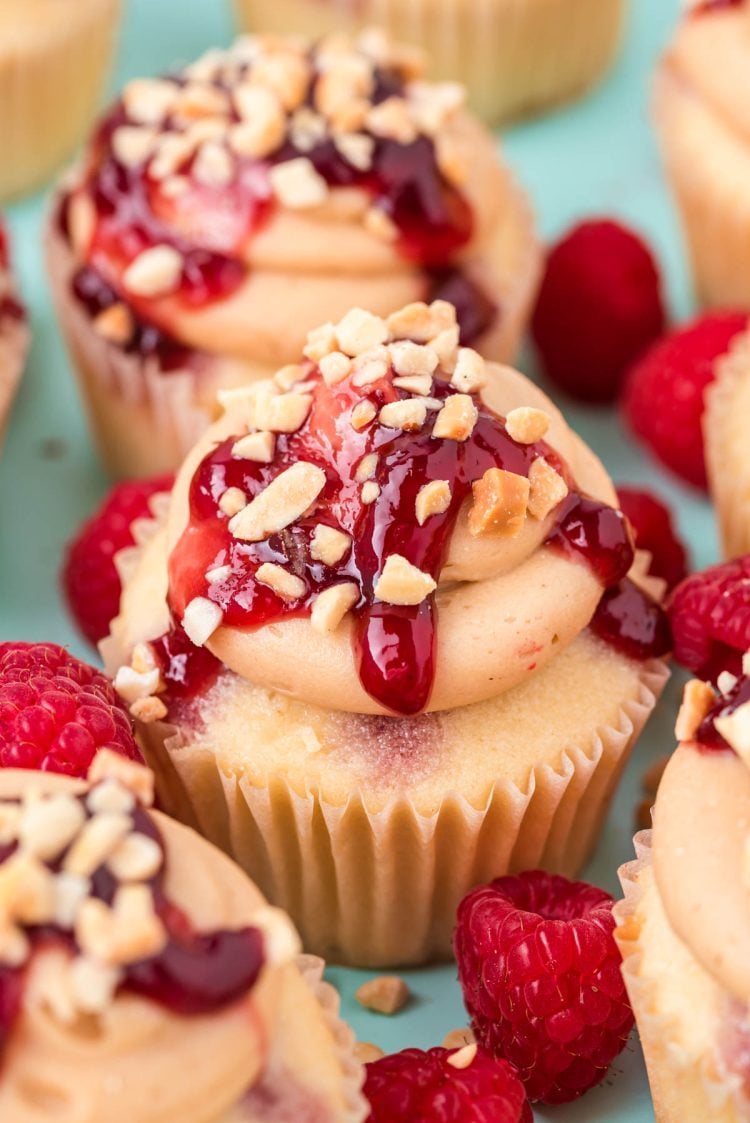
(701, 835)
(140, 969)
(229, 207)
(709, 56)
(389, 526)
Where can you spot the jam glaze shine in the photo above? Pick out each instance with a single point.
(195, 973)
(395, 645)
(432, 220)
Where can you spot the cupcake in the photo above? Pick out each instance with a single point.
(401, 644)
(701, 94)
(54, 59)
(683, 925)
(516, 57)
(14, 335)
(725, 437)
(143, 977)
(223, 212)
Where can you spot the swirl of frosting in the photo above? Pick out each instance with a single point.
(204, 193)
(391, 526)
(81, 1046)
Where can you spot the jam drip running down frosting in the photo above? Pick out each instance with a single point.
(261, 126)
(718, 718)
(342, 493)
(87, 873)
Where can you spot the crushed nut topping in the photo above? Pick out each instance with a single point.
(155, 272)
(386, 994)
(403, 583)
(409, 414)
(547, 488)
(259, 447)
(285, 500)
(331, 606)
(360, 331)
(232, 501)
(329, 545)
(115, 324)
(456, 419)
(499, 506)
(735, 729)
(697, 700)
(297, 185)
(433, 498)
(370, 492)
(362, 414)
(464, 1057)
(469, 373)
(527, 425)
(200, 620)
(285, 584)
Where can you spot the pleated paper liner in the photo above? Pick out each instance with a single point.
(311, 1074)
(145, 420)
(516, 57)
(683, 1090)
(50, 83)
(711, 193)
(14, 345)
(379, 885)
(726, 426)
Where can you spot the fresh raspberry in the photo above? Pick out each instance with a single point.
(57, 712)
(654, 531)
(418, 1087)
(664, 392)
(541, 978)
(710, 617)
(89, 577)
(599, 308)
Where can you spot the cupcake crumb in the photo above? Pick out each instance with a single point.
(386, 994)
(366, 1052)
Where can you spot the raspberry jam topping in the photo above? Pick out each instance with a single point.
(193, 973)
(395, 643)
(707, 6)
(10, 308)
(160, 194)
(187, 670)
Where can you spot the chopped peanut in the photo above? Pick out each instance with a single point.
(526, 425)
(456, 419)
(286, 585)
(547, 489)
(329, 545)
(500, 501)
(697, 700)
(331, 606)
(403, 583)
(386, 994)
(432, 499)
(281, 503)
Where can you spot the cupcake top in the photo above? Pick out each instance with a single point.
(133, 956)
(701, 836)
(268, 156)
(390, 526)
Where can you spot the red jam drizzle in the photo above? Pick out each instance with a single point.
(187, 670)
(395, 646)
(196, 973)
(629, 620)
(433, 219)
(708, 736)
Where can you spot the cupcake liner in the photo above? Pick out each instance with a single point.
(280, 1096)
(14, 344)
(50, 83)
(725, 431)
(143, 421)
(711, 194)
(514, 56)
(682, 1091)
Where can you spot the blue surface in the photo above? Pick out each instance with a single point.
(596, 157)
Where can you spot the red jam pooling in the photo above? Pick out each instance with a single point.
(195, 973)
(707, 6)
(433, 219)
(632, 622)
(708, 736)
(395, 645)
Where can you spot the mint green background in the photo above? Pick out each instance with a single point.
(597, 157)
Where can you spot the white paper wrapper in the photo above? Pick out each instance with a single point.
(683, 1091)
(515, 56)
